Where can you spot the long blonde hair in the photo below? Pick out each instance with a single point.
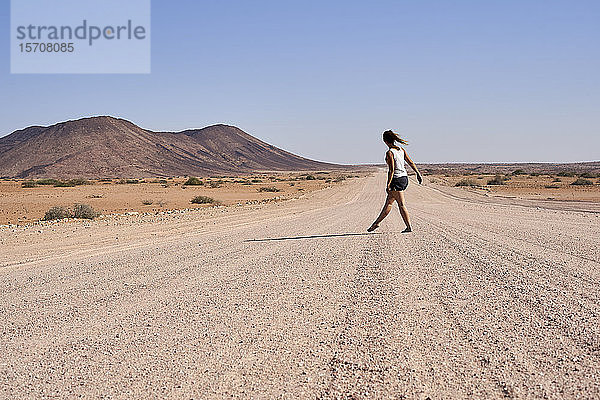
(391, 137)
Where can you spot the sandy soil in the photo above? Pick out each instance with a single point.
(488, 298)
(19, 205)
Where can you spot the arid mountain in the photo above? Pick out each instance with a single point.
(99, 147)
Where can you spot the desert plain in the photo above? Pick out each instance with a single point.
(26, 201)
(491, 296)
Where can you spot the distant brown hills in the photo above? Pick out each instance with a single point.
(107, 147)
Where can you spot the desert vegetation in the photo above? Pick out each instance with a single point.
(79, 211)
(467, 182)
(560, 184)
(268, 189)
(25, 199)
(55, 183)
(582, 182)
(498, 180)
(203, 200)
(193, 181)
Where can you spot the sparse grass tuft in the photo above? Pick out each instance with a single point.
(203, 200)
(466, 182)
(582, 182)
(268, 189)
(566, 173)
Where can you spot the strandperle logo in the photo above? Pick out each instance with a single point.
(83, 36)
(84, 31)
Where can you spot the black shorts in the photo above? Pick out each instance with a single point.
(399, 183)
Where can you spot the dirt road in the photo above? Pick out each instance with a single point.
(485, 299)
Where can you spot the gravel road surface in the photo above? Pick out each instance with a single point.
(485, 299)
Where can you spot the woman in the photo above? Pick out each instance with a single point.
(397, 179)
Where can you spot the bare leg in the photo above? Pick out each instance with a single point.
(399, 196)
(387, 207)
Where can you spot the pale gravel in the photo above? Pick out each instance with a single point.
(485, 299)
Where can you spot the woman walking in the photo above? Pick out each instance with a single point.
(397, 179)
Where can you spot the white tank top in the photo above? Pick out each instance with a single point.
(399, 167)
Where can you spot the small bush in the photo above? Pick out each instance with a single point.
(203, 200)
(256, 181)
(28, 184)
(84, 211)
(518, 172)
(147, 202)
(310, 177)
(552, 187)
(534, 174)
(556, 180)
(497, 180)
(268, 189)
(582, 182)
(193, 181)
(56, 213)
(589, 175)
(466, 182)
(214, 185)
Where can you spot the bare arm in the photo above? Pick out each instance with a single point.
(389, 159)
(413, 166)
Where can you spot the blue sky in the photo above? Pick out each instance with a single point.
(462, 81)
